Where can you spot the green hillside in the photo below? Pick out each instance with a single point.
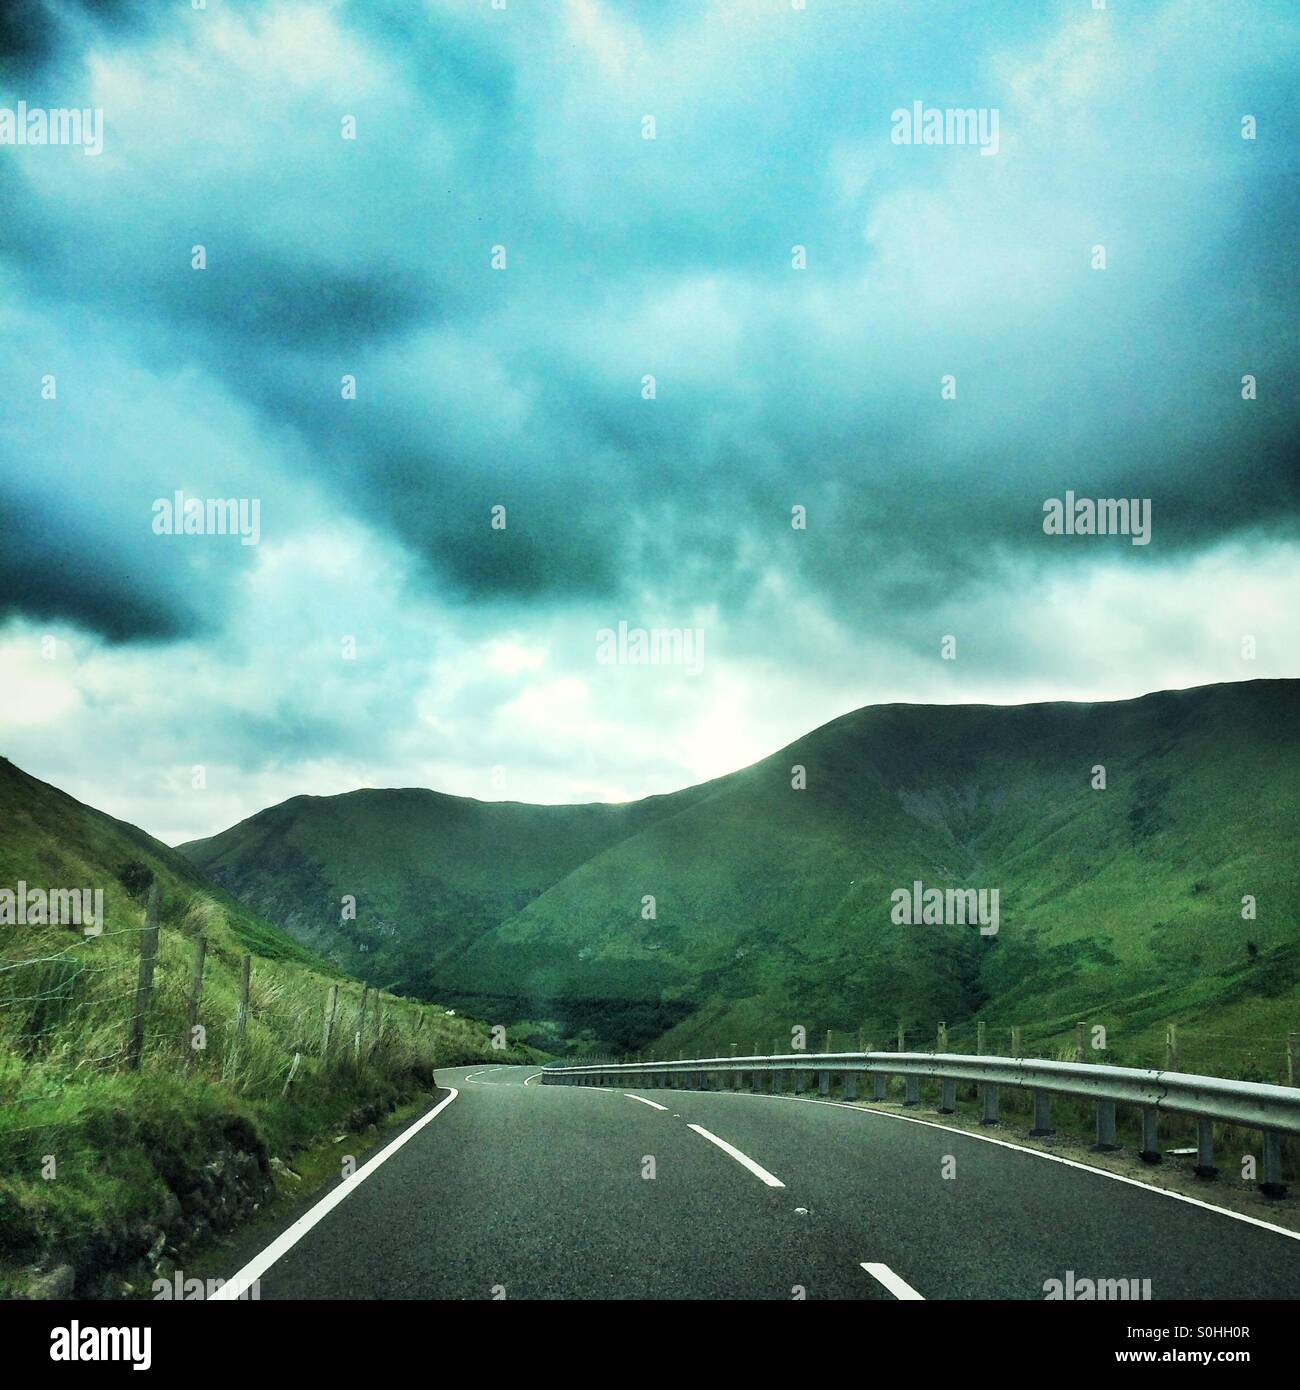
(429, 873)
(106, 1168)
(772, 905)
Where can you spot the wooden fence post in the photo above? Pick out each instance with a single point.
(979, 1039)
(1080, 1041)
(144, 982)
(293, 1071)
(1171, 1047)
(1292, 1046)
(1016, 1049)
(245, 987)
(331, 1007)
(902, 1037)
(196, 993)
(941, 1038)
(361, 1022)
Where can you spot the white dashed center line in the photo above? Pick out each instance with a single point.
(644, 1101)
(743, 1159)
(900, 1288)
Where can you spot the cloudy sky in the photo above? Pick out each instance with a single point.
(127, 657)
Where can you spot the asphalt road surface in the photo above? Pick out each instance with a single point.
(519, 1190)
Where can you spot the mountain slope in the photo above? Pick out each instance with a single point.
(154, 1160)
(52, 838)
(429, 873)
(772, 905)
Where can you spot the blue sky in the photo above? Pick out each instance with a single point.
(130, 657)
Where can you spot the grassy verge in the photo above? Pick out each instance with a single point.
(108, 1171)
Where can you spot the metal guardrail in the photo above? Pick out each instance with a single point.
(1273, 1110)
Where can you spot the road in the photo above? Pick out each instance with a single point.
(519, 1190)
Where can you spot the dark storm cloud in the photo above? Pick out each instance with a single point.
(672, 258)
(32, 32)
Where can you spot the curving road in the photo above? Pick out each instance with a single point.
(518, 1190)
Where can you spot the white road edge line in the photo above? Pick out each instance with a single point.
(1021, 1148)
(654, 1103)
(533, 1077)
(900, 1288)
(282, 1244)
(743, 1159)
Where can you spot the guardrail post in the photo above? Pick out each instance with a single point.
(849, 1082)
(824, 1083)
(1105, 1127)
(948, 1101)
(1042, 1115)
(1205, 1149)
(911, 1090)
(798, 1082)
(1151, 1135)
(753, 1081)
(776, 1081)
(1272, 1184)
(879, 1085)
(990, 1105)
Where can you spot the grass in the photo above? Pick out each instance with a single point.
(98, 1159)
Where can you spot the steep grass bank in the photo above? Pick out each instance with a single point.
(109, 1164)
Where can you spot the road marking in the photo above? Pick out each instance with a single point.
(644, 1101)
(282, 1244)
(483, 1071)
(900, 1288)
(743, 1159)
(1021, 1148)
(533, 1077)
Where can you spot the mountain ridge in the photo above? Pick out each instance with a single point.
(768, 899)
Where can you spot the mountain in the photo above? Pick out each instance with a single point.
(430, 874)
(772, 904)
(177, 1149)
(51, 838)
